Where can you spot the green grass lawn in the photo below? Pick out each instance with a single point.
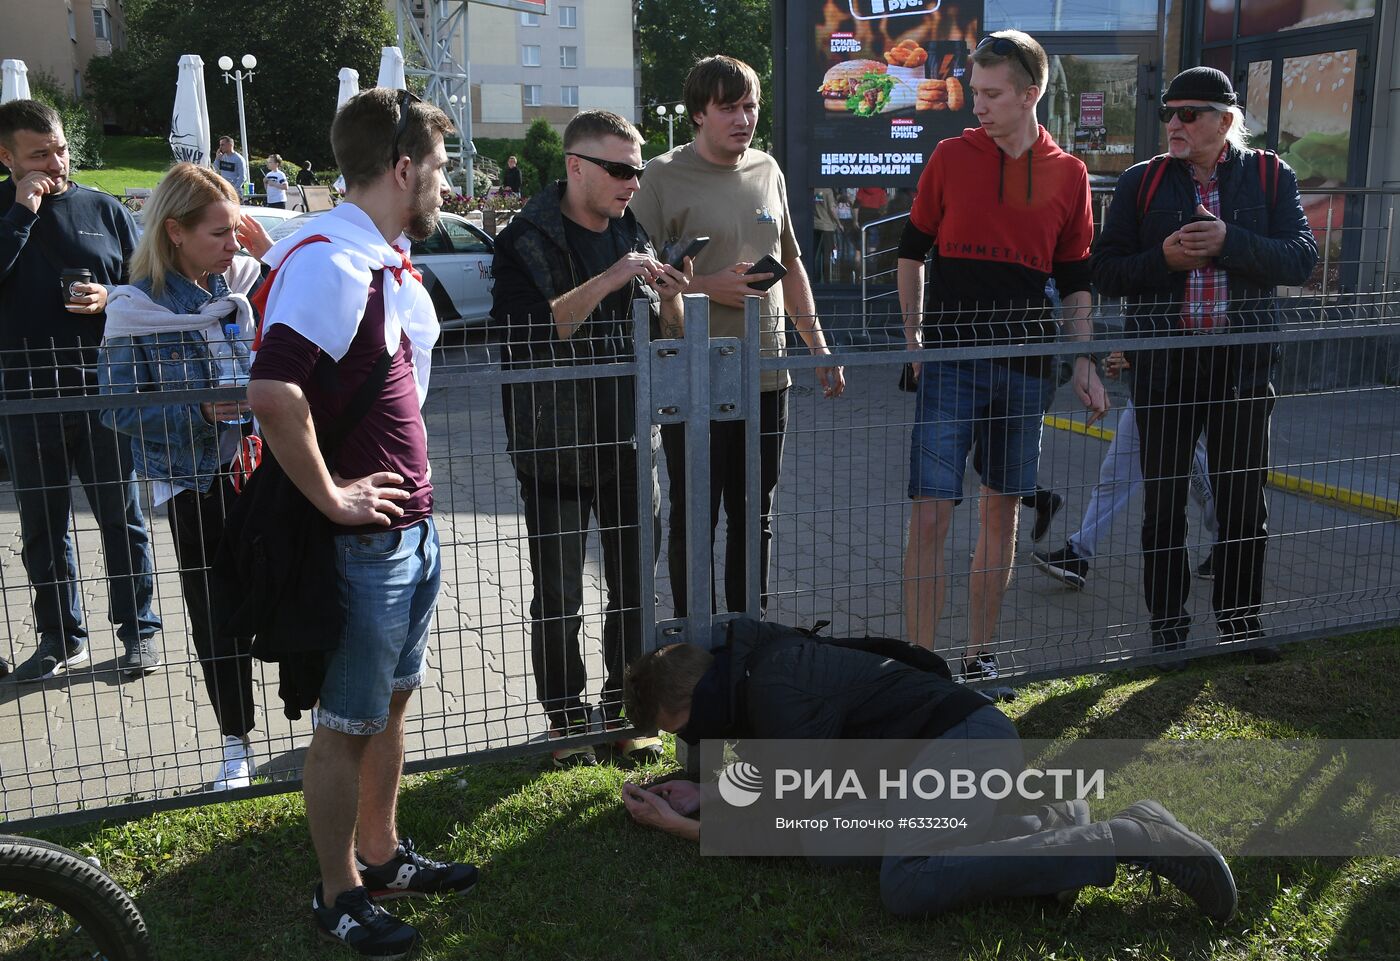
(129, 162)
(139, 162)
(566, 875)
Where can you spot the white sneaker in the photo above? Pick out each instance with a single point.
(238, 765)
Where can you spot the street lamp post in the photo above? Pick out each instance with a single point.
(226, 64)
(669, 116)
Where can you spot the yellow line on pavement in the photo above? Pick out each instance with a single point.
(1286, 482)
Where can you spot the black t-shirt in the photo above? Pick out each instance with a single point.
(606, 337)
(510, 179)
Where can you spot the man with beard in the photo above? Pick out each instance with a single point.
(567, 271)
(1196, 242)
(341, 292)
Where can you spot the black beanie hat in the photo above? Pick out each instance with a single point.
(1202, 83)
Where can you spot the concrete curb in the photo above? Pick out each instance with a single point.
(1359, 500)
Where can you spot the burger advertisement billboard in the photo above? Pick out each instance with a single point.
(889, 79)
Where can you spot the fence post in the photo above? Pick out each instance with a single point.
(753, 450)
(646, 463)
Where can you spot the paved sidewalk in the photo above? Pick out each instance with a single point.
(91, 738)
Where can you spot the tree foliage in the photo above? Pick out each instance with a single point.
(80, 127)
(544, 151)
(290, 101)
(673, 34)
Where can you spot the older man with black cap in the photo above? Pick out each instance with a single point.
(1196, 240)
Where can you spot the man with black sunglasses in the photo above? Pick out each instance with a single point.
(1196, 241)
(568, 269)
(1003, 209)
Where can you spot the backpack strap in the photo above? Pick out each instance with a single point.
(1151, 180)
(259, 298)
(1268, 174)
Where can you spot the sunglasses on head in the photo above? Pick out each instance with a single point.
(406, 99)
(1004, 47)
(613, 168)
(1187, 114)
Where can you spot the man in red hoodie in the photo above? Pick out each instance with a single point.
(1003, 209)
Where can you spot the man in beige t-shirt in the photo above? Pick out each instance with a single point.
(720, 187)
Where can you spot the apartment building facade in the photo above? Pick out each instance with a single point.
(581, 55)
(57, 38)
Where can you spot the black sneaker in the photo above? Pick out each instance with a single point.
(1064, 565)
(50, 658)
(363, 926)
(1184, 858)
(141, 657)
(1047, 505)
(4, 667)
(409, 874)
(1207, 569)
(980, 667)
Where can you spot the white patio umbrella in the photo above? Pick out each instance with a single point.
(349, 86)
(16, 86)
(189, 122)
(391, 69)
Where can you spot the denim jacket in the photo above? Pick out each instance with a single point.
(173, 442)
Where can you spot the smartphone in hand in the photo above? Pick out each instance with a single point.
(676, 255)
(768, 265)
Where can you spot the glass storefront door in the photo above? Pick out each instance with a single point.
(1301, 100)
(1091, 109)
(1094, 104)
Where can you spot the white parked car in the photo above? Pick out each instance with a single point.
(270, 218)
(456, 266)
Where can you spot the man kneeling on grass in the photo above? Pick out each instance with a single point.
(773, 683)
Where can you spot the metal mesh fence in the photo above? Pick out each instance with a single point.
(93, 739)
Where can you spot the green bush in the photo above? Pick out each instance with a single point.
(500, 149)
(80, 125)
(544, 152)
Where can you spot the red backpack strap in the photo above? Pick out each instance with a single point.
(1151, 180)
(1268, 174)
(259, 298)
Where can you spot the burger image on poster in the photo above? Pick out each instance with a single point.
(865, 88)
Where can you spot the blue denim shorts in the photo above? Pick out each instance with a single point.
(389, 585)
(962, 402)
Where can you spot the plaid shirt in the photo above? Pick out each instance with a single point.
(1207, 289)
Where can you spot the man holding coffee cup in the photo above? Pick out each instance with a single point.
(61, 246)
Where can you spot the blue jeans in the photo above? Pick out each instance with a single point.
(389, 586)
(982, 402)
(45, 451)
(992, 858)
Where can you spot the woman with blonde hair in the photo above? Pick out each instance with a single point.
(182, 324)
